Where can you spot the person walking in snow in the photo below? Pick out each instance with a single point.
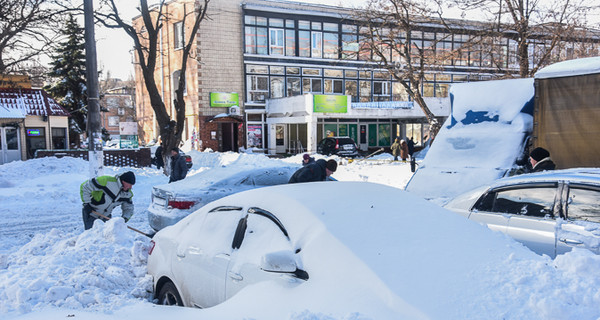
(396, 149)
(403, 150)
(179, 168)
(540, 160)
(102, 194)
(319, 170)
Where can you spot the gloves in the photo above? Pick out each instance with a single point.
(87, 207)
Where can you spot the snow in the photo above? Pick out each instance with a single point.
(480, 141)
(447, 267)
(570, 68)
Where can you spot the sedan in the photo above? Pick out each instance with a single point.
(549, 212)
(295, 247)
(174, 201)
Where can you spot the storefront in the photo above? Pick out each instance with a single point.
(296, 124)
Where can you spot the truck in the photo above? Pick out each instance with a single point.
(493, 125)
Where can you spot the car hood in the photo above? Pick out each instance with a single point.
(400, 247)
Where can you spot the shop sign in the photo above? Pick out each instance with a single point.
(224, 99)
(34, 132)
(330, 103)
(128, 128)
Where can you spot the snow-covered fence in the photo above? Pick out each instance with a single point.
(116, 157)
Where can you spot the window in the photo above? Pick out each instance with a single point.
(330, 45)
(277, 87)
(304, 43)
(12, 138)
(399, 92)
(256, 40)
(349, 46)
(352, 90)
(312, 85)
(290, 42)
(121, 111)
(179, 35)
(381, 90)
(334, 86)
(293, 87)
(583, 204)
(276, 41)
(532, 201)
(59, 138)
(113, 121)
(365, 91)
(175, 80)
(258, 88)
(316, 47)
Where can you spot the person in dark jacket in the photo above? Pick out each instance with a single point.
(317, 171)
(307, 159)
(540, 160)
(178, 166)
(411, 146)
(159, 158)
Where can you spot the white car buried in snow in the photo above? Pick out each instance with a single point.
(307, 246)
(173, 201)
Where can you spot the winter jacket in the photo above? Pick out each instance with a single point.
(179, 168)
(104, 193)
(396, 148)
(310, 160)
(159, 158)
(403, 150)
(543, 165)
(311, 172)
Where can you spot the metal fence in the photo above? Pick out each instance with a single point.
(118, 157)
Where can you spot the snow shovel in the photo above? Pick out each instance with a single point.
(132, 228)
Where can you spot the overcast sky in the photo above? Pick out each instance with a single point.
(114, 47)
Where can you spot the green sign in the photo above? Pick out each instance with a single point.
(330, 103)
(128, 142)
(223, 99)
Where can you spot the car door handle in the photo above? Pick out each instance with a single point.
(570, 242)
(181, 254)
(235, 276)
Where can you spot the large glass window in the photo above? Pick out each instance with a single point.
(399, 92)
(365, 91)
(59, 138)
(349, 46)
(330, 45)
(312, 85)
(276, 41)
(12, 138)
(334, 86)
(290, 42)
(277, 87)
(304, 43)
(352, 89)
(384, 135)
(258, 88)
(316, 44)
(293, 87)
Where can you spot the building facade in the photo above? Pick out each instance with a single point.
(279, 76)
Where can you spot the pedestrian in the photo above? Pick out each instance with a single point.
(396, 149)
(102, 194)
(160, 162)
(178, 166)
(319, 170)
(411, 146)
(307, 159)
(403, 150)
(540, 160)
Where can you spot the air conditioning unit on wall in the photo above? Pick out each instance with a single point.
(235, 110)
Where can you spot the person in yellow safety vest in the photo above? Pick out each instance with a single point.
(102, 194)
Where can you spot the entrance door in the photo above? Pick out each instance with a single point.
(229, 136)
(280, 134)
(363, 137)
(10, 145)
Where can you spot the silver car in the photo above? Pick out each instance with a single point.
(549, 212)
(174, 201)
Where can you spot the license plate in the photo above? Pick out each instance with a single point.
(347, 147)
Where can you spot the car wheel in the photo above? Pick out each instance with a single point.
(169, 296)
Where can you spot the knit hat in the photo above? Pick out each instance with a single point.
(128, 177)
(306, 156)
(539, 153)
(331, 165)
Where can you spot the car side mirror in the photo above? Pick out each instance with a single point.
(280, 261)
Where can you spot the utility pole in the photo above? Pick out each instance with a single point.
(96, 157)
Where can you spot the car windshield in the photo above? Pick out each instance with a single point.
(345, 141)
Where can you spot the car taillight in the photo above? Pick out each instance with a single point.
(337, 144)
(180, 204)
(188, 159)
(152, 244)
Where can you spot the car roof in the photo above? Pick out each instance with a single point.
(581, 175)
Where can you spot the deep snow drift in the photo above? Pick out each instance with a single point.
(50, 268)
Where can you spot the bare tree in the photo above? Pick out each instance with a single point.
(539, 27)
(386, 34)
(27, 28)
(146, 42)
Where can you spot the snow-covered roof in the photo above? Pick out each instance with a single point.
(33, 102)
(6, 113)
(575, 67)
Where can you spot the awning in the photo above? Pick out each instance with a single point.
(10, 113)
(224, 117)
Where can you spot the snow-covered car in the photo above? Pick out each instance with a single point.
(299, 242)
(550, 212)
(173, 201)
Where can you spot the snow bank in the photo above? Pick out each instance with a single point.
(569, 68)
(103, 269)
